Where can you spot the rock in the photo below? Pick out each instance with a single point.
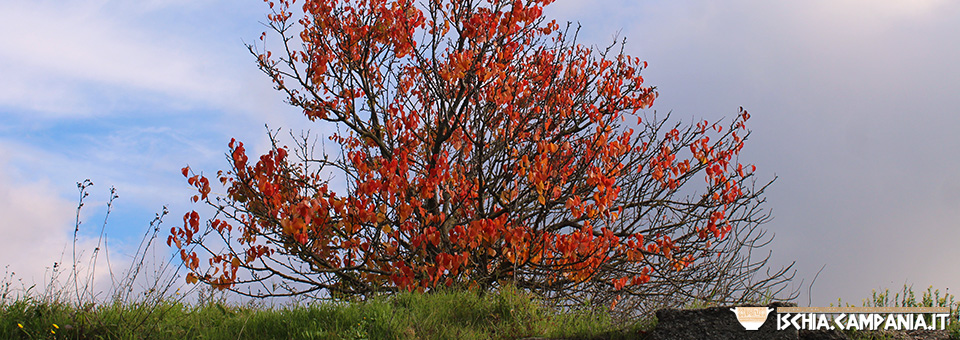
(718, 323)
(928, 335)
(904, 335)
(822, 335)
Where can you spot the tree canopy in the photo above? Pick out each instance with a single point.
(476, 144)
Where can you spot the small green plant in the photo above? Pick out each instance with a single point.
(151, 307)
(907, 298)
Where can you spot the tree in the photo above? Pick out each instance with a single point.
(477, 144)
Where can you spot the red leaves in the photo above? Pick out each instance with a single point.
(192, 278)
(477, 155)
(198, 181)
(640, 279)
(194, 220)
(575, 205)
(619, 283)
(189, 259)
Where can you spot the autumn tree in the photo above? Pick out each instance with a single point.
(476, 144)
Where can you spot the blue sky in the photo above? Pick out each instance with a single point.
(853, 104)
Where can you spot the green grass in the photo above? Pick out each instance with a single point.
(147, 304)
(907, 298)
(507, 314)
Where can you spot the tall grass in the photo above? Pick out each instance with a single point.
(147, 289)
(907, 298)
(148, 301)
(507, 314)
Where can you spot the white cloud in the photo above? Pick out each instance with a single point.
(38, 204)
(66, 57)
(852, 102)
(165, 91)
(37, 227)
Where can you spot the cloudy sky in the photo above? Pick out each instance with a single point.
(853, 104)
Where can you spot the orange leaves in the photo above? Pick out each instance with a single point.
(450, 263)
(619, 283)
(457, 65)
(673, 135)
(200, 182)
(189, 260)
(256, 252)
(682, 168)
(717, 226)
(470, 149)
(743, 115)
(640, 279)
(658, 174)
(432, 236)
(193, 219)
(575, 205)
(192, 278)
(238, 154)
(184, 236)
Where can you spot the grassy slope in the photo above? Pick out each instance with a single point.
(507, 314)
(462, 315)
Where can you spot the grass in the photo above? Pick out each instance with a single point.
(507, 314)
(907, 298)
(146, 303)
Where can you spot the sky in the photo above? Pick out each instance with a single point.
(853, 106)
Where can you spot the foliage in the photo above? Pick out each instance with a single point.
(143, 304)
(477, 143)
(907, 298)
(507, 314)
(74, 306)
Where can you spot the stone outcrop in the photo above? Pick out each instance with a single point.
(718, 323)
(822, 335)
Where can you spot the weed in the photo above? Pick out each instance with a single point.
(147, 301)
(907, 298)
